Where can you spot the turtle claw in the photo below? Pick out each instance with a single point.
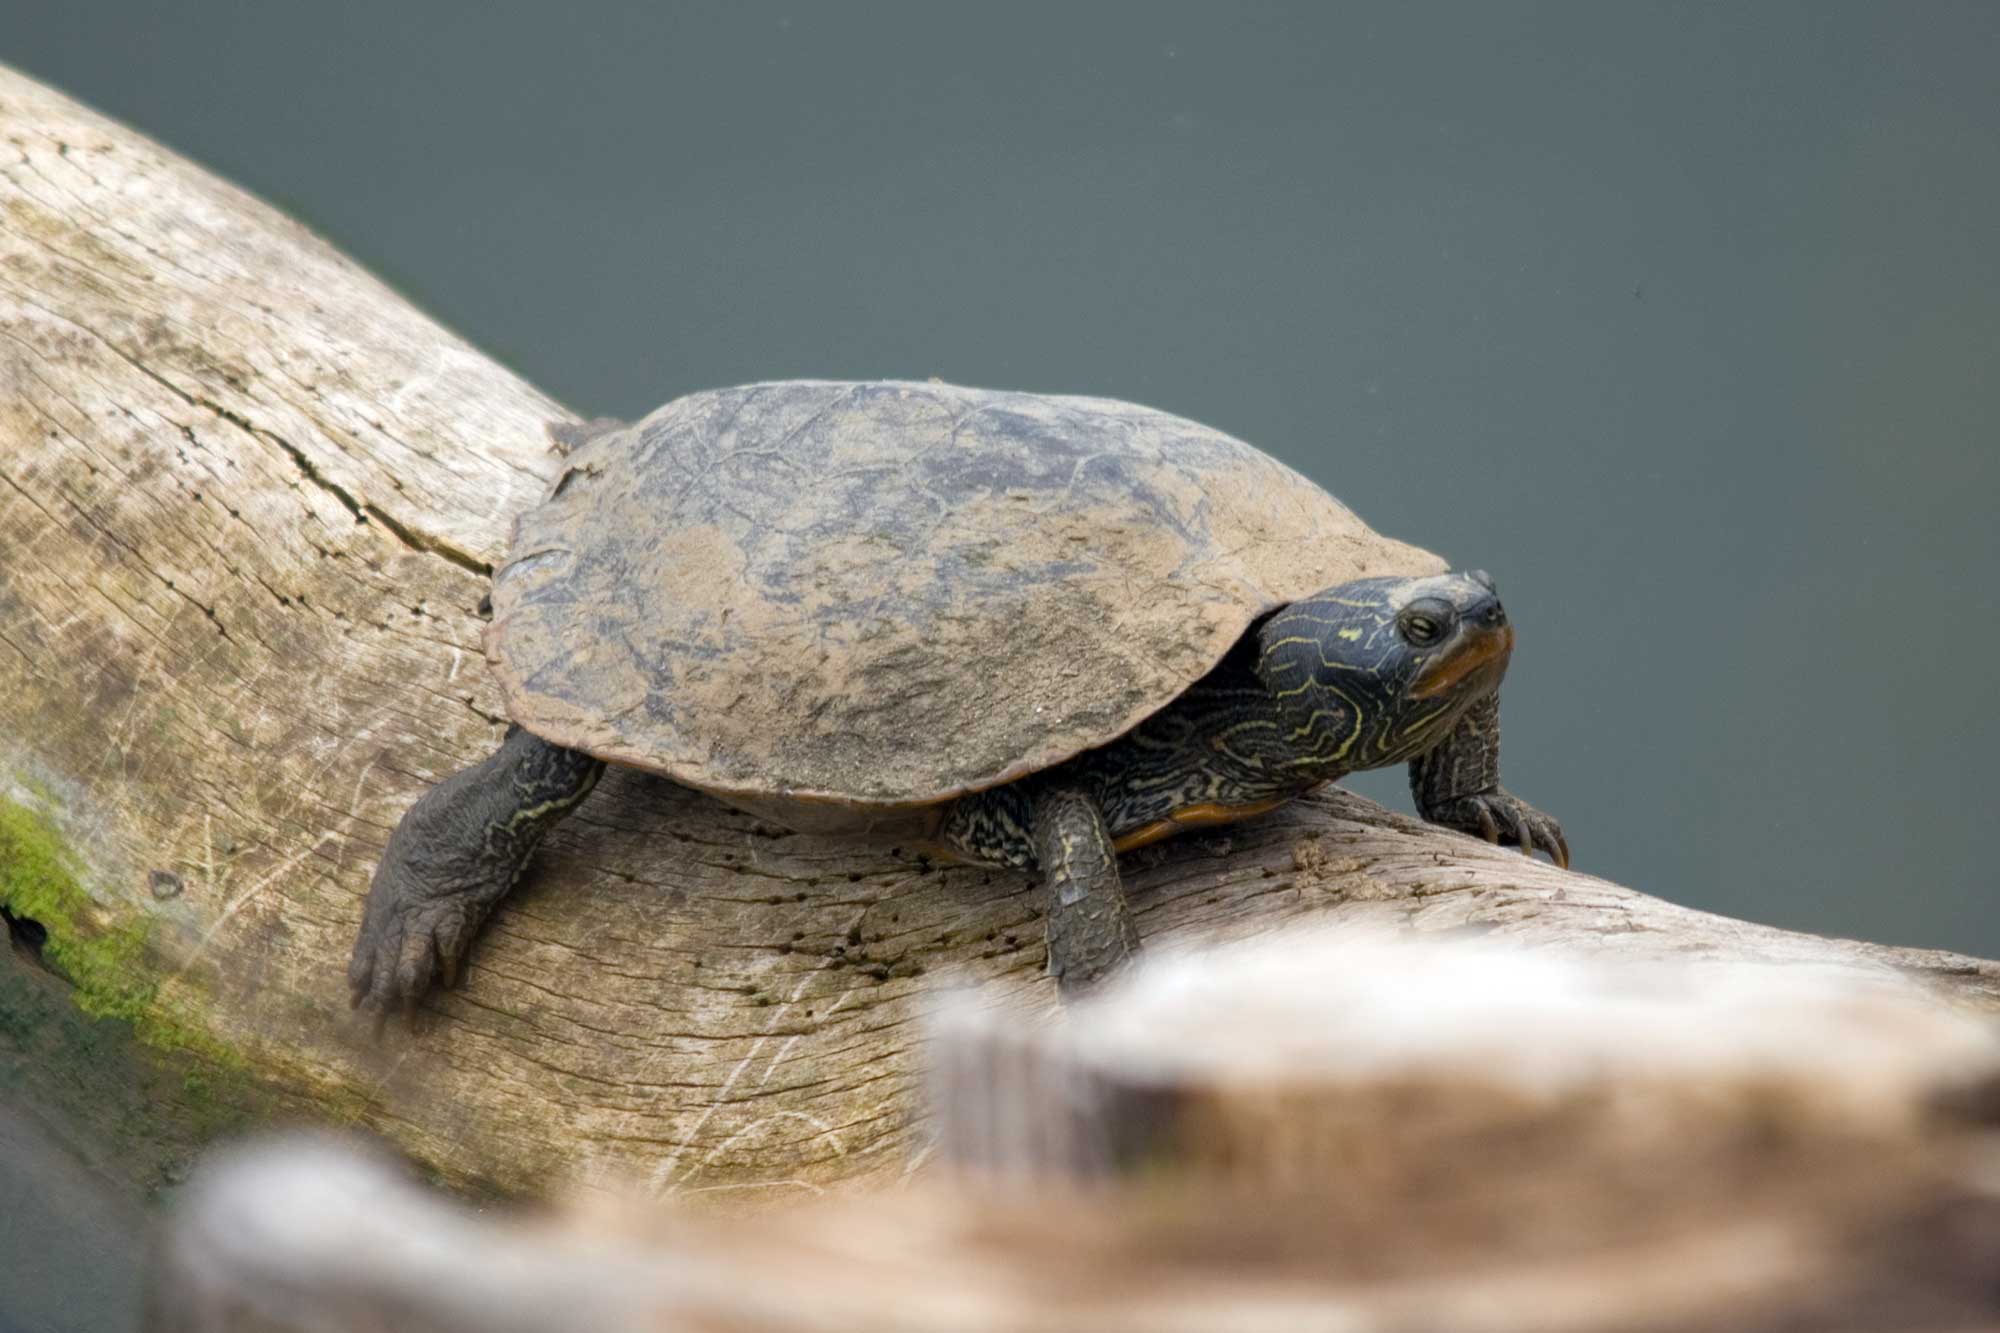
(405, 948)
(1502, 818)
(450, 944)
(1543, 834)
(395, 955)
(415, 971)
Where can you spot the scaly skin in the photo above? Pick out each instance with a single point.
(457, 852)
(1325, 687)
(1363, 675)
(1322, 689)
(1458, 785)
(1090, 928)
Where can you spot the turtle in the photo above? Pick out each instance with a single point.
(1029, 631)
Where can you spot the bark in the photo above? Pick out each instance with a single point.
(249, 499)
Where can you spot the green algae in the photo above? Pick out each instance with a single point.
(119, 1018)
(100, 1049)
(39, 880)
(108, 963)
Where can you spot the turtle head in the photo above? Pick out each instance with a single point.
(1379, 670)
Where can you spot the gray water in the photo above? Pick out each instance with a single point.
(1683, 320)
(69, 1247)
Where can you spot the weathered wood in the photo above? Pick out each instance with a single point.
(1309, 1131)
(1329, 1058)
(248, 499)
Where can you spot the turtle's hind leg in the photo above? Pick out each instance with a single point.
(1091, 934)
(455, 855)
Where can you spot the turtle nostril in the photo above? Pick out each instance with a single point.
(1494, 616)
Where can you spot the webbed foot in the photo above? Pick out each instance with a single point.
(409, 940)
(1501, 817)
(450, 861)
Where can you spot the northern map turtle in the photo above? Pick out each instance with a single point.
(1037, 631)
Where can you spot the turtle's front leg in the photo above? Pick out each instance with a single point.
(1090, 930)
(1458, 785)
(455, 854)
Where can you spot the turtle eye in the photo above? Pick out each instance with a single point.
(1424, 623)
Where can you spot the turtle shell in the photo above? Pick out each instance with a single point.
(888, 594)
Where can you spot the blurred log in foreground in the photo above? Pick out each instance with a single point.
(1315, 1131)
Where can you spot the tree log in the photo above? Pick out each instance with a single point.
(249, 500)
(1313, 1130)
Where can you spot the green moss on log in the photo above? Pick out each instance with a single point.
(120, 1067)
(107, 961)
(39, 881)
(124, 1052)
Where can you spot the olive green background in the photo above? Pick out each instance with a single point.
(1682, 319)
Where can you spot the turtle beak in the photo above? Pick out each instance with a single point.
(1483, 648)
